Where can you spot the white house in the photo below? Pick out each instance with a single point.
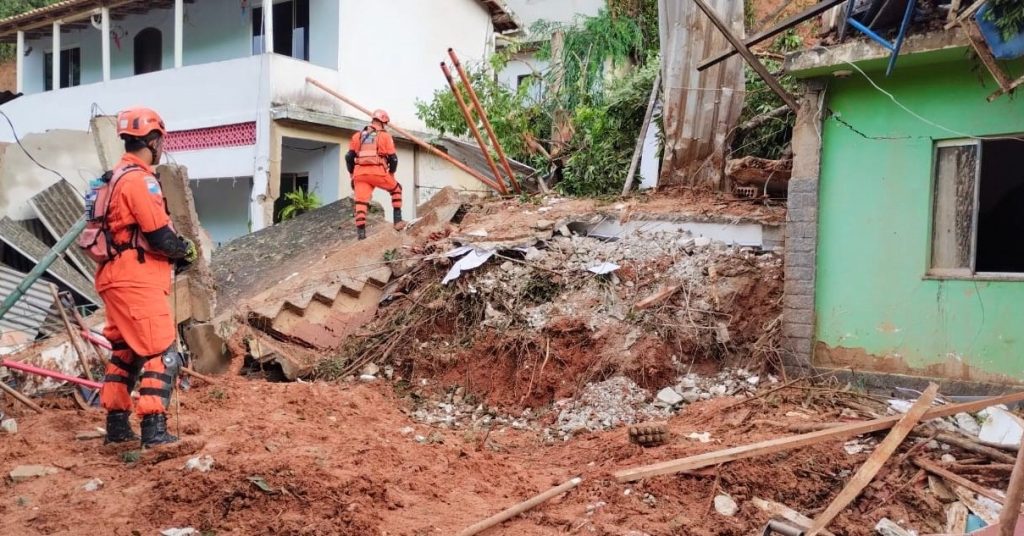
(229, 78)
(524, 66)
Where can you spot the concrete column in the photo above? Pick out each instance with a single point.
(105, 40)
(179, 30)
(798, 313)
(268, 26)
(20, 63)
(55, 72)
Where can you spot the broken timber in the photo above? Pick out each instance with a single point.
(794, 442)
(752, 60)
(867, 472)
(959, 480)
(1014, 494)
(520, 508)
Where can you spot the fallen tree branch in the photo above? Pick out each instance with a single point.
(954, 478)
(963, 443)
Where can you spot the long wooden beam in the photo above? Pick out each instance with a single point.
(874, 463)
(783, 444)
(752, 60)
(761, 37)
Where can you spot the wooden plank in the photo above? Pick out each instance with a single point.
(963, 443)
(761, 37)
(956, 518)
(662, 294)
(1014, 493)
(967, 13)
(752, 60)
(20, 397)
(985, 513)
(783, 444)
(874, 463)
(954, 478)
(981, 48)
(513, 511)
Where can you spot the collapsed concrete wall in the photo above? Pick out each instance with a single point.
(69, 153)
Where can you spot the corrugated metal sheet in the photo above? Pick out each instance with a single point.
(700, 109)
(32, 310)
(59, 207)
(29, 246)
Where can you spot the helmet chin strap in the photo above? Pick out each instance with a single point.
(154, 152)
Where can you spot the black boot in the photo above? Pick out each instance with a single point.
(154, 430)
(398, 216)
(119, 429)
(361, 232)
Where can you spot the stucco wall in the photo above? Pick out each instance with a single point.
(530, 11)
(223, 207)
(70, 153)
(874, 307)
(411, 45)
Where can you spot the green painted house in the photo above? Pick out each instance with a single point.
(905, 239)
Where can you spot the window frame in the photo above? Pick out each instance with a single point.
(960, 274)
(48, 68)
(306, 34)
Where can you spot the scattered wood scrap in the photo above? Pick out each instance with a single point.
(771, 176)
(659, 296)
(874, 463)
(513, 511)
(954, 478)
(794, 442)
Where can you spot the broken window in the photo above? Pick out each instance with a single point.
(291, 29)
(70, 68)
(978, 208)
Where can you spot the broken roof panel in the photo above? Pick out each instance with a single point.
(29, 246)
(59, 207)
(31, 311)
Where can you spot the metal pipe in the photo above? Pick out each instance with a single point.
(49, 374)
(483, 117)
(434, 150)
(42, 266)
(472, 124)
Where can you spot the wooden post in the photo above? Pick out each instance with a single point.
(520, 508)
(1014, 495)
(752, 60)
(55, 64)
(483, 118)
(19, 61)
(472, 124)
(20, 397)
(643, 135)
(71, 332)
(874, 463)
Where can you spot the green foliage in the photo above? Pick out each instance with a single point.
(609, 64)
(1008, 16)
(770, 139)
(10, 8)
(298, 202)
(606, 136)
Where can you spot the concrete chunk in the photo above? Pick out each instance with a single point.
(22, 473)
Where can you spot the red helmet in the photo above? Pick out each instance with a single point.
(382, 116)
(139, 122)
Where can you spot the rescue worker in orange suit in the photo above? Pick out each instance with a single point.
(135, 283)
(372, 162)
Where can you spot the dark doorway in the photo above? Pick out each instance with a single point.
(149, 51)
(291, 29)
(1001, 207)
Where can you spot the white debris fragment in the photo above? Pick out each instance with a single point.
(407, 430)
(668, 397)
(754, 380)
(478, 233)
(966, 424)
(1001, 428)
(886, 527)
(603, 268)
(701, 242)
(703, 437)
(203, 463)
(92, 485)
(725, 505)
(9, 426)
(901, 406)
(371, 369)
(855, 447)
(471, 260)
(187, 531)
(367, 378)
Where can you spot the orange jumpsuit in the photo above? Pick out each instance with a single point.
(367, 177)
(134, 287)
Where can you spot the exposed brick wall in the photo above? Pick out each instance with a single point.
(8, 76)
(802, 233)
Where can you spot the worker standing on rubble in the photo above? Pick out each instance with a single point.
(372, 162)
(134, 282)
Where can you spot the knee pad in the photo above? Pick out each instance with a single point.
(172, 362)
